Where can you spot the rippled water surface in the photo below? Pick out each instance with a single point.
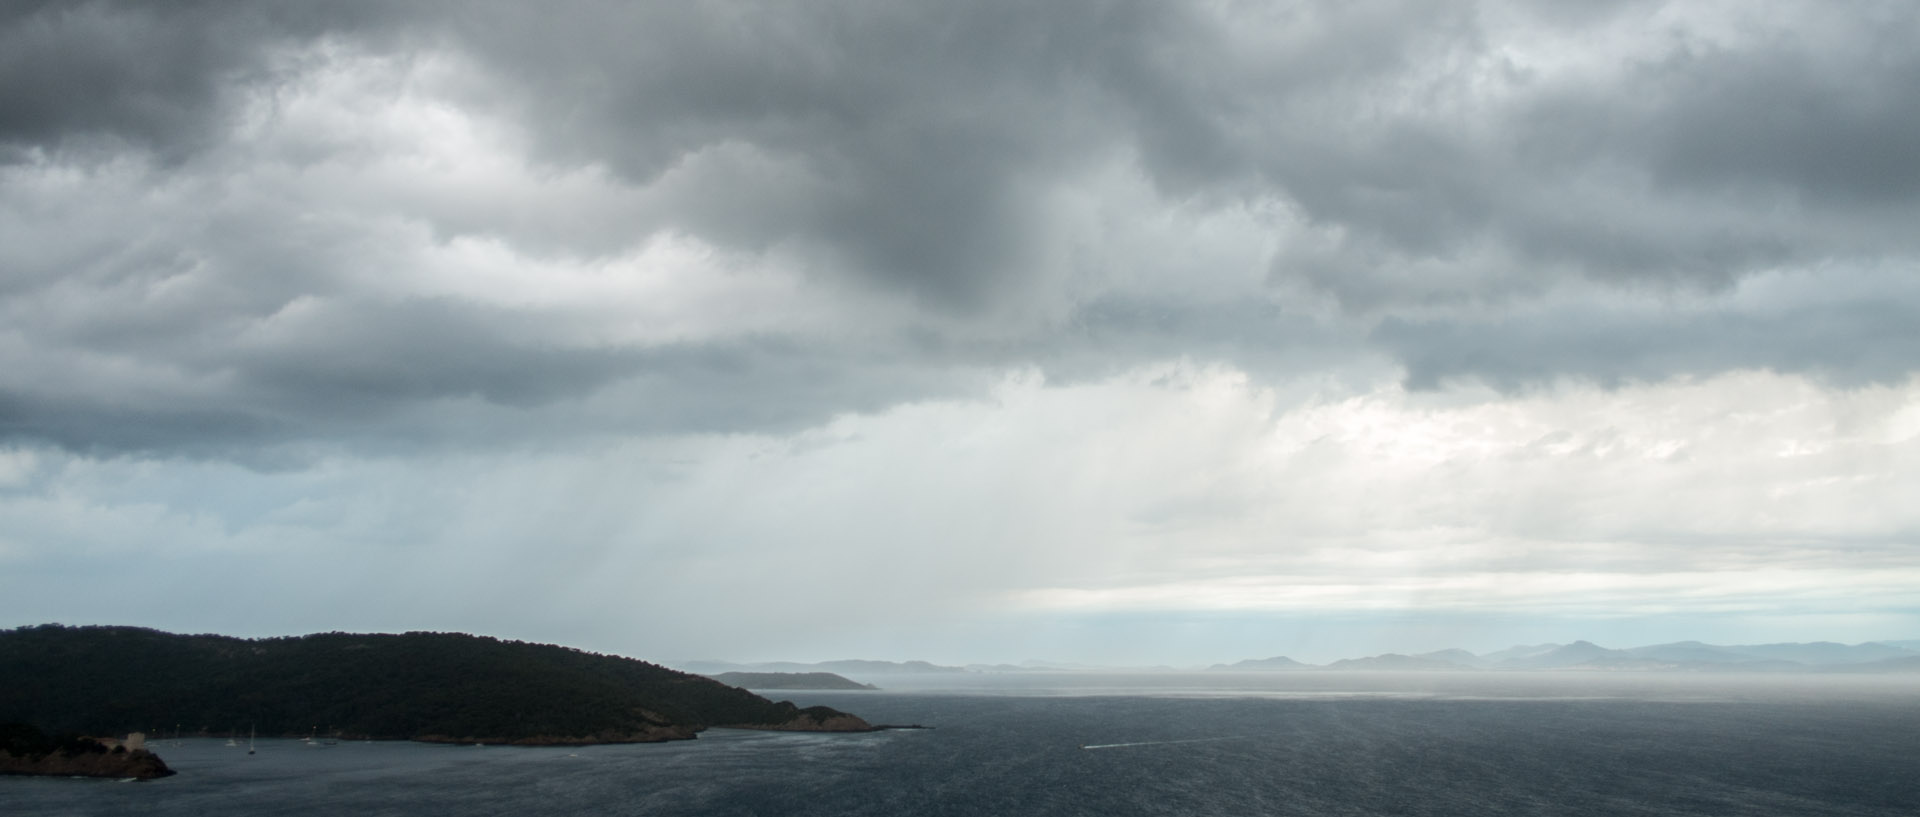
(1308, 744)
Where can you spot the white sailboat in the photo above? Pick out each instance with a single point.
(249, 738)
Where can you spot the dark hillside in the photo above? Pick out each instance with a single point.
(106, 680)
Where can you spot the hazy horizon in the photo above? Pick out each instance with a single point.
(1911, 645)
(694, 664)
(1104, 332)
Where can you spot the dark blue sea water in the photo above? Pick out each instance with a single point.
(1306, 744)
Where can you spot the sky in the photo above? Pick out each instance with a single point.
(1091, 330)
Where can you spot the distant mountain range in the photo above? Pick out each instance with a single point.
(1679, 656)
(1820, 656)
(849, 667)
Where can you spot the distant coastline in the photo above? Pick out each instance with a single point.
(789, 681)
(1820, 657)
(1682, 656)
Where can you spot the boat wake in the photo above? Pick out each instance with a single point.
(1157, 742)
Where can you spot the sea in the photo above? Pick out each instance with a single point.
(1303, 743)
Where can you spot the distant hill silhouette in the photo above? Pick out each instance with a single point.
(1393, 662)
(850, 668)
(1822, 656)
(1278, 662)
(422, 686)
(1456, 656)
(789, 680)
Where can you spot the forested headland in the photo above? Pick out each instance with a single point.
(419, 686)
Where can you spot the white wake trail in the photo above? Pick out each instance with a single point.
(1157, 742)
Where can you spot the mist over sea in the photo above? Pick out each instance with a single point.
(1172, 744)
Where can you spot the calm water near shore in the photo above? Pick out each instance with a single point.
(1307, 744)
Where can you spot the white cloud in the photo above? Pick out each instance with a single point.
(1175, 488)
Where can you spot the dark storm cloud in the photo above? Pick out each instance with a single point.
(1696, 167)
(1432, 184)
(449, 384)
(922, 135)
(158, 77)
(921, 131)
(1724, 142)
(342, 372)
(92, 425)
(918, 132)
(1835, 128)
(1847, 343)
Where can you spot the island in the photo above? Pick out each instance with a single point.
(424, 686)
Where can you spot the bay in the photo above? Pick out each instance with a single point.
(1154, 744)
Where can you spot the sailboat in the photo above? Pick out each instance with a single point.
(249, 738)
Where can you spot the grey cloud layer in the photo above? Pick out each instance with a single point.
(155, 77)
(1418, 169)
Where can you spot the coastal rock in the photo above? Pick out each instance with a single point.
(139, 764)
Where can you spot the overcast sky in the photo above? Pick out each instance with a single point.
(988, 331)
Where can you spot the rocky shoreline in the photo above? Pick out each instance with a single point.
(138, 764)
(26, 751)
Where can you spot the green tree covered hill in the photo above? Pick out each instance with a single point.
(423, 686)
